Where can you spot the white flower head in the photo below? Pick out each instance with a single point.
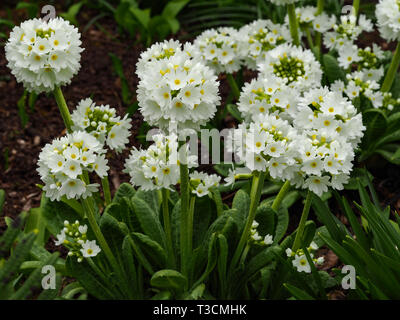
(259, 37)
(176, 87)
(300, 262)
(90, 249)
(220, 49)
(44, 55)
(62, 162)
(102, 123)
(292, 66)
(388, 15)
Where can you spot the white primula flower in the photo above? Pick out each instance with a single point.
(202, 183)
(62, 163)
(388, 15)
(293, 66)
(258, 37)
(348, 55)
(102, 123)
(176, 86)
(90, 249)
(44, 55)
(60, 238)
(267, 96)
(220, 49)
(268, 239)
(158, 166)
(300, 262)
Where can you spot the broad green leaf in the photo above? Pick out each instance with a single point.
(148, 220)
(149, 249)
(332, 69)
(72, 12)
(265, 217)
(234, 111)
(241, 202)
(124, 190)
(299, 294)
(169, 279)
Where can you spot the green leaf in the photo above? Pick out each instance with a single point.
(148, 220)
(21, 104)
(90, 280)
(55, 213)
(149, 250)
(72, 12)
(299, 294)
(265, 216)
(241, 202)
(172, 8)
(124, 190)
(332, 69)
(169, 279)
(234, 111)
(32, 8)
(2, 199)
(143, 16)
(282, 224)
(376, 123)
(36, 223)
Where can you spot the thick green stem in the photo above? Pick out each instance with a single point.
(394, 65)
(281, 194)
(318, 36)
(309, 39)
(356, 6)
(87, 205)
(233, 85)
(62, 105)
(293, 24)
(184, 235)
(218, 201)
(167, 226)
(300, 229)
(106, 190)
(255, 195)
(320, 6)
(190, 223)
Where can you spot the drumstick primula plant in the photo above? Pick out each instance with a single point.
(307, 116)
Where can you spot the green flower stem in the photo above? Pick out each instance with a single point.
(218, 201)
(106, 190)
(190, 223)
(167, 226)
(233, 85)
(293, 24)
(320, 6)
(255, 195)
(356, 6)
(62, 105)
(309, 38)
(318, 36)
(304, 215)
(281, 194)
(88, 207)
(184, 234)
(394, 65)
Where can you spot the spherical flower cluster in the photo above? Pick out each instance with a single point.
(292, 66)
(257, 239)
(43, 55)
(331, 129)
(258, 37)
(267, 96)
(74, 237)
(176, 87)
(158, 166)
(364, 83)
(387, 13)
(202, 183)
(102, 123)
(220, 49)
(299, 259)
(283, 2)
(308, 17)
(63, 162)
(313, 149)
(268, 143)
(369, 59)
(347, 31)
